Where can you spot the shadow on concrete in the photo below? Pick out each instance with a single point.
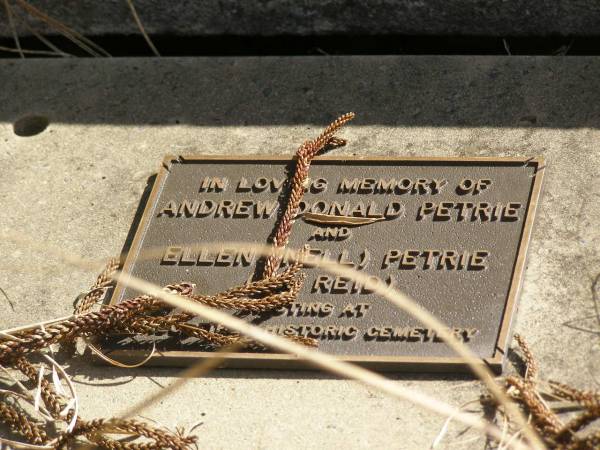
(461, 91)
(86, 372)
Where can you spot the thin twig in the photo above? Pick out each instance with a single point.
(116, 363)
(10, 303)
(10, 444)
(74, 397)
(80, 40)
(44, 40)
(26, 51)
(13, 29)
(142, 29)
(446, 425)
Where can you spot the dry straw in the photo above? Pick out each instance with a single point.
(86, 44)
(78, 39)
(13, 29)
(321, 359)
(546, 400)
(141, 28)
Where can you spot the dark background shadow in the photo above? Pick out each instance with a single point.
(413, 91)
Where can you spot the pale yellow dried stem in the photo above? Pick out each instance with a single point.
(317, 358)
(10, 444)
(26, 51)
(407, 304)
(13, 29)
(141, 27)
(44, 40)
(71, 389)
(326, 361)
(113, 362)
(80, 40)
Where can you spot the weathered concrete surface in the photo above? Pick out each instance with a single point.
(76, 186)
(318, 17)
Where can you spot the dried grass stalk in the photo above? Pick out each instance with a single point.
(576, 433)
(141, 28)
(13, 28)
(304, 157)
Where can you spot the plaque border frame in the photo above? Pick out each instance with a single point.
(381, 363)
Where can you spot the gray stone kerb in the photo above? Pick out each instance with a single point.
(320, 17)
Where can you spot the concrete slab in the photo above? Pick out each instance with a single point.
(318, 17)
(76, 185)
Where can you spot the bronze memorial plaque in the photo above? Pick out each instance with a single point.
(453, 237)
